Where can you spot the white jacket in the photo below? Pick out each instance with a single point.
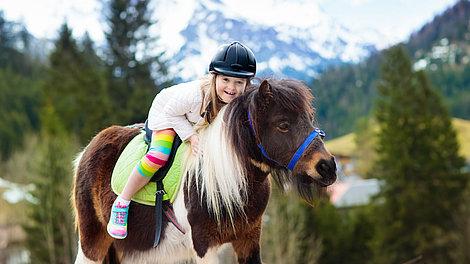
(177, 107)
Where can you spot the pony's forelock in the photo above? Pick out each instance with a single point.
(293, 95)
(217, 171)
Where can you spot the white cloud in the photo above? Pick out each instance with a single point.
(297, 13)
(172, 17)
(360, 2)
(43, 18)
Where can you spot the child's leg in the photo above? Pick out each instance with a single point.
(155, 158)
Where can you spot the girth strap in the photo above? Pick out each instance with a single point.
(158, 212)
(167, 210)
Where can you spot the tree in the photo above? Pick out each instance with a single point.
(96, 112)
(19, 104)
(344, 233)
(130, 59)
(295, 232)
(19, 100)
(14, 44)
(364, 154)
(50, 232)
(418, 161)
(76, 86)
(286, 233)
(464, 226)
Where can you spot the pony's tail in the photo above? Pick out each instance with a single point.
(73, 199)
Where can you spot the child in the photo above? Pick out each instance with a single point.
(176, 110)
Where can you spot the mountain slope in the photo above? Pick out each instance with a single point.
(282, 46)
(346, 93)
(452, 24)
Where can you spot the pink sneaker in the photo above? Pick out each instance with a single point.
(117, 225)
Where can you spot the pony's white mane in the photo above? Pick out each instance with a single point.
(217, 170)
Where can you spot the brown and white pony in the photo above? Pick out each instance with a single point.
(225, 189)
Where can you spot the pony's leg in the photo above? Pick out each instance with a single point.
(82, 259)
(209, 258)
(94, 248)
(247, 248)
(94, 239)
(248, 251)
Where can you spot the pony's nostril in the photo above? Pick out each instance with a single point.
(327, 170)
(333, 164)
(327, 166)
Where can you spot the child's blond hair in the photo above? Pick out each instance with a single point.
(211, 103)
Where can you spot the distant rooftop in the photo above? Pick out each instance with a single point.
(353, 191)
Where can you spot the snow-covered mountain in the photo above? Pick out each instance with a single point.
(289, 38)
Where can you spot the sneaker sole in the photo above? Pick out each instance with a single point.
(115, 236)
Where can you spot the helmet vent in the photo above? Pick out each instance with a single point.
(236, 66)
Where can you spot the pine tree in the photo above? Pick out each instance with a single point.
(76, 86)
(14, 44)
(419, 164)
(96, 112)
(130, 59)
(50, 232)
(464, 225)
(19, 101)
(19, 91)
(364, 154)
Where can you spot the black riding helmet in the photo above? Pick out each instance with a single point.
(234, 60)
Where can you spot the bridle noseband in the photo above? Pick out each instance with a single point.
(297, 155)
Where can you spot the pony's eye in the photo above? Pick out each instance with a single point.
(283, 127)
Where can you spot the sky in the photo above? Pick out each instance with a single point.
(394, 19)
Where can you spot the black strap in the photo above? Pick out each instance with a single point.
(158, 179)
(158, 212)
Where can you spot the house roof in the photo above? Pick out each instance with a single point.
(353, 191)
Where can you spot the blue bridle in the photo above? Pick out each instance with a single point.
(300, 151)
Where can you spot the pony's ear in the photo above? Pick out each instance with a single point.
(265, 93)
(265, 89)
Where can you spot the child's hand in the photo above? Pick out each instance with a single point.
(194, 141)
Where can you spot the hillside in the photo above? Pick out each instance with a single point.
(346, 145)
(441, 48)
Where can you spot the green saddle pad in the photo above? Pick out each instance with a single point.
(129, 158)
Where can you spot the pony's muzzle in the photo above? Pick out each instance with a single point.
(327, 170)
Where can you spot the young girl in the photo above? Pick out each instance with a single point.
(176, 110)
